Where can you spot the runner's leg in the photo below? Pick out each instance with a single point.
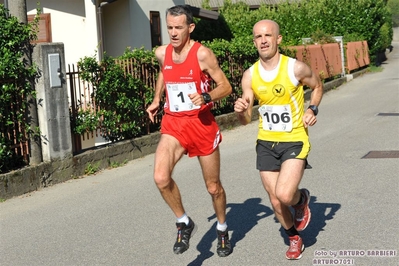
(168, 153)
(210, 165)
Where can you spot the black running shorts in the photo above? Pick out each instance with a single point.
(270, 155)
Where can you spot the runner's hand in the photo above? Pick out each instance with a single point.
(309, 119)
(152, 110)
(196, 99)
(241, 105)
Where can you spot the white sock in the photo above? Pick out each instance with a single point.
(221, 227)
(183, 219)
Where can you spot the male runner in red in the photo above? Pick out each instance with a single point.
(188, 126)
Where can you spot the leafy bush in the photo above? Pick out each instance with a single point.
(16, 78)
(208, 30)
(356, 20)
(118, 108)
(321, 37)
(144, 59)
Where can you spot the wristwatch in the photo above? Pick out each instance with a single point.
(314, 109)
(207, 97)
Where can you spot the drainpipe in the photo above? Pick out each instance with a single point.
(100, 28)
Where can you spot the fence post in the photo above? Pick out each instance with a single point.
(52, 99)
(340, 40)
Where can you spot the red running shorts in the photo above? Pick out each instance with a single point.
(198, 135)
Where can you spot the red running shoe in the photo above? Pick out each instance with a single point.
(296, 248)
(302, 212)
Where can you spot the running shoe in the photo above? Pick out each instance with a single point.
(184, 233)
(296, 248)
(224, 246)
(302, 212)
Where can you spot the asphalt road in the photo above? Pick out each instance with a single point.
(117, 217)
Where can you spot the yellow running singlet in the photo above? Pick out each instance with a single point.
(281, 102)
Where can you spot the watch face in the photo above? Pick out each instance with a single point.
(207, 97)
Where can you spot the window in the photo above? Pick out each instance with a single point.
(155, 24)
(44, 33)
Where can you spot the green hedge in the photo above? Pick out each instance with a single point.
(355, 20)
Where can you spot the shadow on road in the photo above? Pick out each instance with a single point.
(321, 213)
(241, 218)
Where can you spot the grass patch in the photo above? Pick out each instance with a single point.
(117, 164)
(374, 69)
(92, 168)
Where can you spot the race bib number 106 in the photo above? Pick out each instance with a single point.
(178, 96)
(276, 117)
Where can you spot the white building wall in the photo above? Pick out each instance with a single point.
(127, 24)
(73, 22)
(117, 34)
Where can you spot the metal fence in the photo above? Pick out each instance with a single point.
(14, 131)
(81, 94)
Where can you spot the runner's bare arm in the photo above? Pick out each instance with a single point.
(307, 77)
(243, 105)
(153, 108)
(209, 64)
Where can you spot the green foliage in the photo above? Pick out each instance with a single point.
(119, 105)
(375, 69)
(386, 35)
(16, 78)
(143, 59)
(356, 20)
(92, 168)
(353, 37)
(237, 17)
(321, 37)
(207, 30)
(116, 164)
(5, 153)
(393, 6)
(234, 58)
(86, 121)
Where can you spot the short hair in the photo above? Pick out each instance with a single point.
(181, 10)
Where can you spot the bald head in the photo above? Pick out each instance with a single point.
(270, 24)
(266, 39)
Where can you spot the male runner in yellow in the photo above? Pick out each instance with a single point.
(282, 143)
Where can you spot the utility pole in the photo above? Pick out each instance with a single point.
(18, 9)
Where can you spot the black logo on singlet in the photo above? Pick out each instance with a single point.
(278, 90)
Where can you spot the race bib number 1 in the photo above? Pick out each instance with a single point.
(276, 117)
(178, 96)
